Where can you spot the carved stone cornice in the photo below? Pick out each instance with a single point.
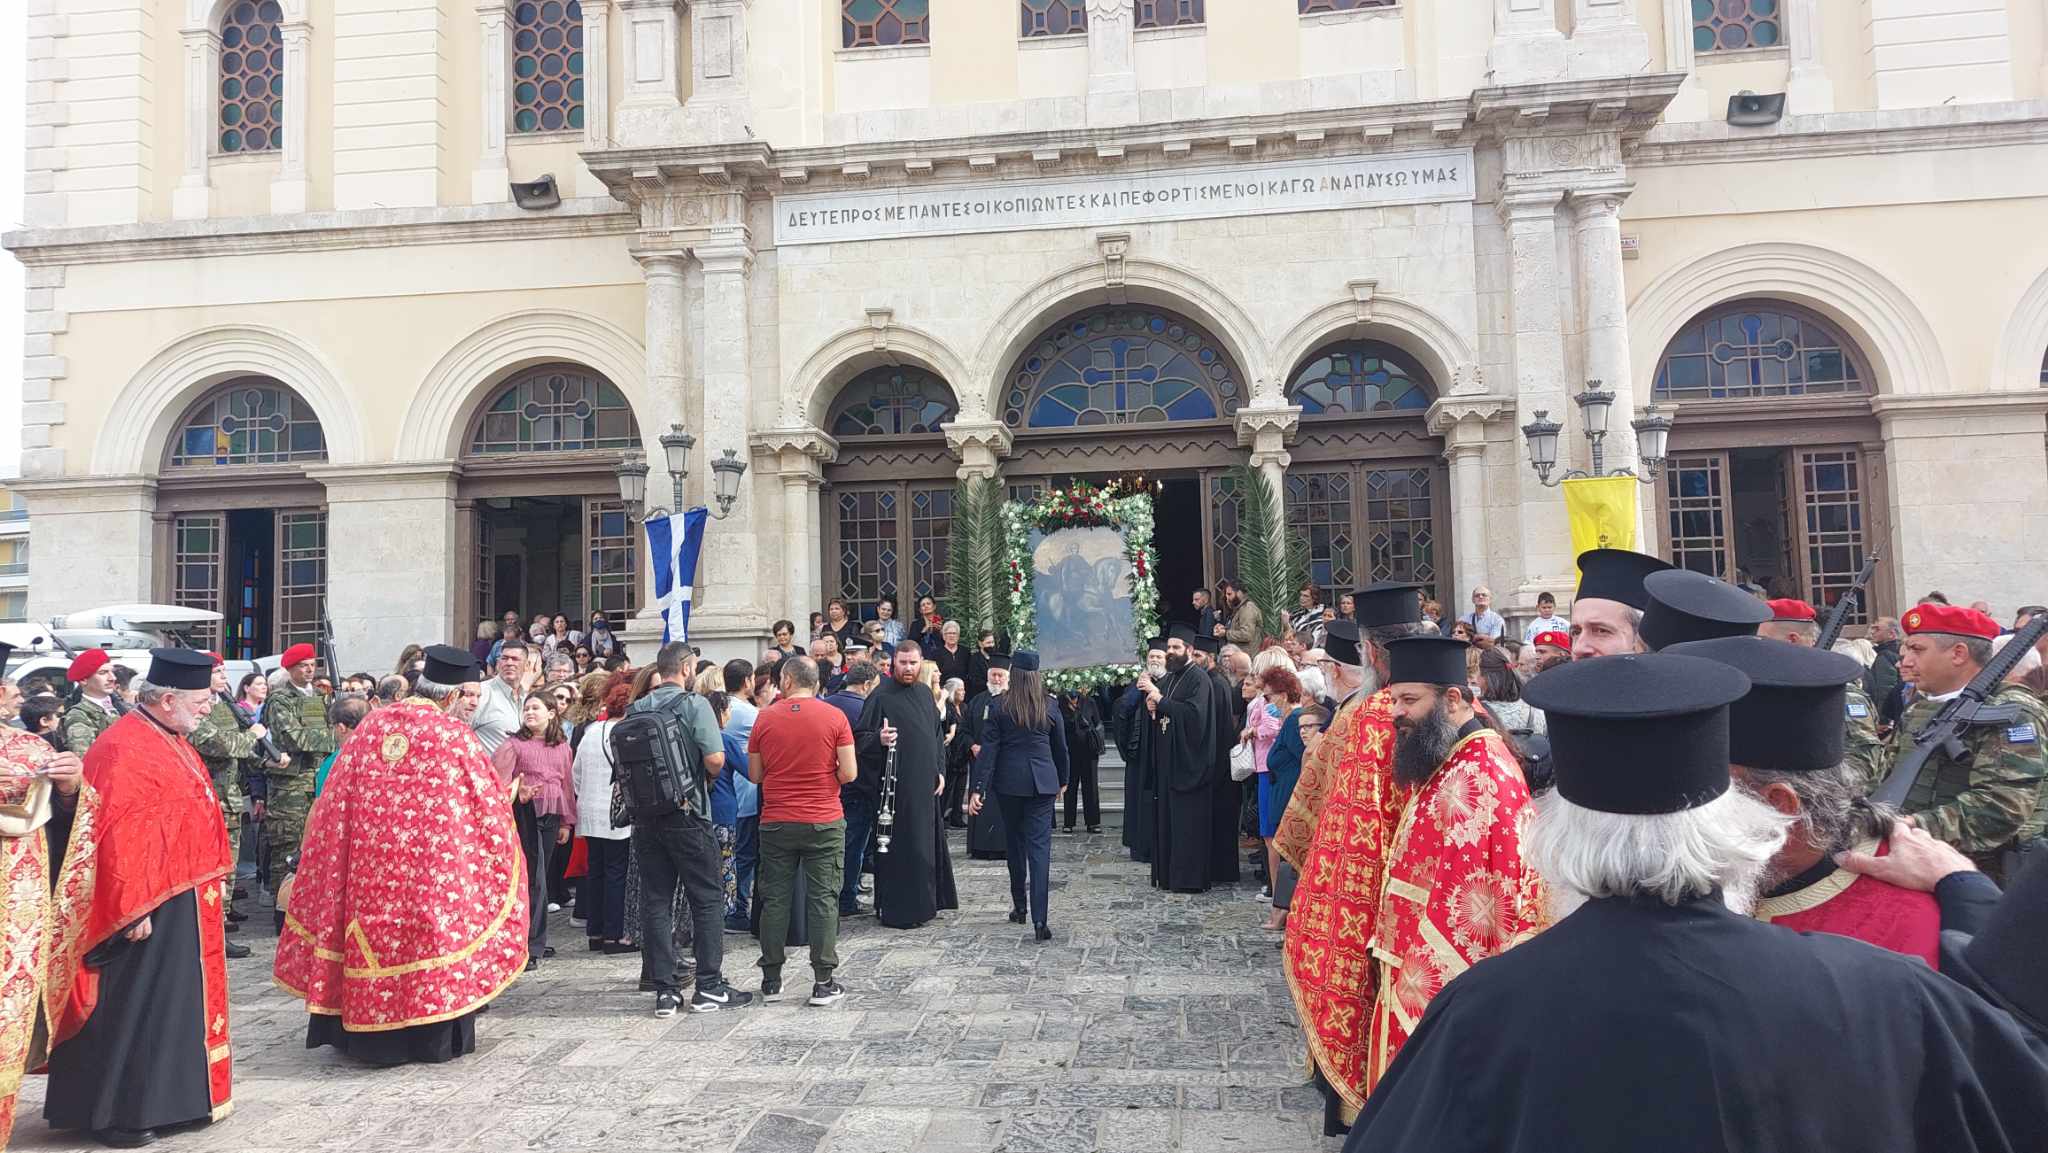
(991, 436)
(1275, 424)
(1451, 416)
(801, 449)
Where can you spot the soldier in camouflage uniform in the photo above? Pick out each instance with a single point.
(298, 724)
(1795, 622)
(94, 712)
(224, 745)
(1987, 803)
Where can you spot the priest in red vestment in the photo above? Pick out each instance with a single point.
(1456, 890)
(1786, 746)
(32, 779)
(409, 910)
(138, 981)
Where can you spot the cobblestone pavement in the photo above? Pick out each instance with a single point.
(1151, 1022)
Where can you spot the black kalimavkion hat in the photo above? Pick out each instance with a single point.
(1640, 733)
(1616, 574)
(1023, 660)
(1426, 661)
(1691, 606)
(448, 665)
(1791, 720)
(1390, 603)
(180, 669)
(1340, 643)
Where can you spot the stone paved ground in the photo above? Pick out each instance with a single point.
(1151, 1022)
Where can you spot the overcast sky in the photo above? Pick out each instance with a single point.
(14, 63)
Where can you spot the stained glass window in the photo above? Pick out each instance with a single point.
(1311, 7)
(251, 77)
(251, 421)
(882, 23)
(547, 65)
(1121, 365)
(1831, 489)
(1359, 376)
(868, 544)
(1751, 351)
(1728, 25)
(1226, 512)
(614, 560)
(1168, 13)
(1696, 495)
(1052, 17)
(196, 548)
(1319, 508)
(556, 408)
(931, 539)
(892, 401)
(1401, 527)
(2044, 369)
(301, 576)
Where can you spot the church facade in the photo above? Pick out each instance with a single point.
(311, 337)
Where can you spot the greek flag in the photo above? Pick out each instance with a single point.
(674, 555)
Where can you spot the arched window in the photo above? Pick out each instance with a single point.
(1052, 17)
(1311, 7)
(892, 401)
(1732, 25)
(251, 77)
(547, 65)
(2044, 370)
(1752, 350)
(1168, 13)
(254, 420)
(555, 408)
(1121, 365)
(882, 23)
(1359, 376)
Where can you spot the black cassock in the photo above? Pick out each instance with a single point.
(986, 840)
(1634, 1025)
(1227, 796)
(1133, 731)
(1183, 759)
(140, 1061)
(914, 879)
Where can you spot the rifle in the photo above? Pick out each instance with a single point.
(1832, 631)
(1945, 730)
(328, 656)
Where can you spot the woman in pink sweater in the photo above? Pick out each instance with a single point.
(538, 764)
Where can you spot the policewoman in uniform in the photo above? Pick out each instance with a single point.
(1023, 763)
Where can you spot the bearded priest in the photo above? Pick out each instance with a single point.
(409, 911)
(138, 985)
(1456, 890)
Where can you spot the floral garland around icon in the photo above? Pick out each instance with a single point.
(1083, 506)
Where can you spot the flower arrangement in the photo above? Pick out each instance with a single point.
(1083, 506)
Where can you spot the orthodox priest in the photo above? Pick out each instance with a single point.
(1183, 763)
(138, 991)
(409, 909)
(1455, 890)
(35, 781)
(1226, 796)
(1335, 834)
(1788, 747)
(986, 839)
(1132, 723)
(914, 879)
(1716, 1031)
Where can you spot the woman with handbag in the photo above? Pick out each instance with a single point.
(1280, 692)
(1023, 761)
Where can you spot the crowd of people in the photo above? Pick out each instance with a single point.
(1627, 804)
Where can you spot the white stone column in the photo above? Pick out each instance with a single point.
(1112, 62)
(1690, 102)
(717, 108)
(649, 113)
(664, 336)
(192, 199)
(730, 590)
(1462, 422)
(597, 70)
(800, 456)
(1603, 313)
(383, 519)
(290, 188)
(1808, 90)
(490, 182)
(1537, 351)
(95, 542)
(1527, 47)
(980, 444)
(1606, 39)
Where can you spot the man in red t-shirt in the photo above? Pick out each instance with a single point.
(800, 752)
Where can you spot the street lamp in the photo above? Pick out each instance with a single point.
(675, 446)
(1653, 433)
(725, 474)
(632, 473)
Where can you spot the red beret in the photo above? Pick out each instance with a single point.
(217, 661)
(1554, 639)
(86, 664)
(1951, 619)
(1788, 609)
(296, 653)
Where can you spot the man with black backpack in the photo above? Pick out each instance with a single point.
(666, 749)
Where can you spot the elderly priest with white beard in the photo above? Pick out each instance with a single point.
(1655, 1015)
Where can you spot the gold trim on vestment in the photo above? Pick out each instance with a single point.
(518, 970)
(1811, 896)
(222, 1110)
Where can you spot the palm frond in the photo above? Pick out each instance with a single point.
(1272, 562)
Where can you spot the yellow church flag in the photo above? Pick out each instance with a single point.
(1602, 511)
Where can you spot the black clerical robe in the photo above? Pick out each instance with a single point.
(1134, 743)
(914, 879)
(1636, 1025)
(1226, 795)
(986, 839)
(1183, 758)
